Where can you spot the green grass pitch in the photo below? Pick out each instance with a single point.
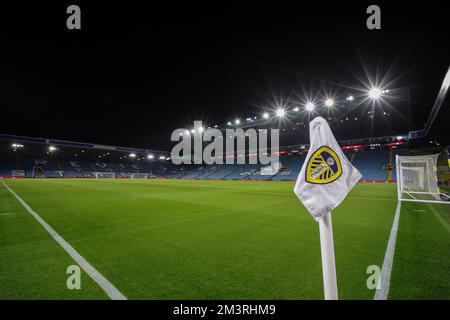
(186, 239)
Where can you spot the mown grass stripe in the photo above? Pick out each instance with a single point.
(107, 286)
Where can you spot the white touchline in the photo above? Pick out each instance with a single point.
(107, 286)
(386, 269)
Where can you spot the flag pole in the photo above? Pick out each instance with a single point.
(328, 264)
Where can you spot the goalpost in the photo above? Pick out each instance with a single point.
(139, 175)
(419, 179)
(110, 175)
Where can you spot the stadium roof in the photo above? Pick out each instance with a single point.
(126, 77)
(79, 145)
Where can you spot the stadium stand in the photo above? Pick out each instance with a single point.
(370, 163)
(36, 161)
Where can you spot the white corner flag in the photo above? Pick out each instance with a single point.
(323, 183)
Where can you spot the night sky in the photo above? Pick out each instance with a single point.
(133, 74)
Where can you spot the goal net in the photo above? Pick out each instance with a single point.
(419, 179)
(139, 175)
(104, 175)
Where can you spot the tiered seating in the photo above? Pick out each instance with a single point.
(370, 164)
(221, 172)
(241, 171)
(292, 168)
(9, 163)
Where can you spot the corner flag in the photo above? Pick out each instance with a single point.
(323, 183)
(326, 176)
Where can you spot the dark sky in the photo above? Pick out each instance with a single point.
(134, 73)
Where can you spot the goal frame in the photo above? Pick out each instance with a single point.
(97, 173)
(139, 173)
(411, 193)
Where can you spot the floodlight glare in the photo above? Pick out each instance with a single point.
(266, 115)
(296, 109)
(51, 148)
(162, 158)
(237, 121)
(375, 93)
(187, 132)
(192, 131)
(350, 98)
(310, 106)
(229, 123)
(132, 155)
(329, 102)
(280, 112)
(200, 129)
(150, 156)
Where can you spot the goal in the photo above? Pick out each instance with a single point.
(420, 179)
(139, 175)
(110, 175)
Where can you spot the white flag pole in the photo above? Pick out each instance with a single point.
(328, 264)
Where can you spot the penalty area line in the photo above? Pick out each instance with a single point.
(107, 286)
(386, 269)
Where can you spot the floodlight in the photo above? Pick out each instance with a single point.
(229, 123)
(237, 121)
(162, 157)
(51, 148)
(375, 93)
(132, 155)
(266, 115)
(350, 98)
(280, 112)
(150, 156)
(296, 109)
(329, 102)
(200, 129)
(192, 131)
(310, 106)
